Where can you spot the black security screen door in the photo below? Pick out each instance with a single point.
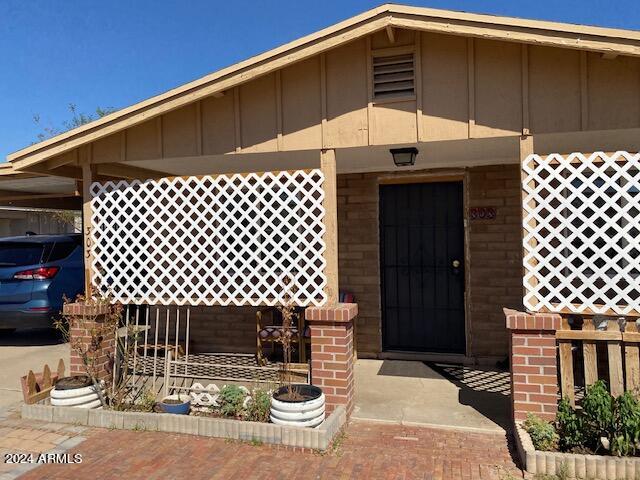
(422, 254)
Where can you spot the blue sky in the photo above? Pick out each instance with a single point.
(115, 53)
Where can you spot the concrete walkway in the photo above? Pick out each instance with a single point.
(25, 444)
(414, 393)
(23, 350)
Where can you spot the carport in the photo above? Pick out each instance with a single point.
(20, 189)
(21, 351)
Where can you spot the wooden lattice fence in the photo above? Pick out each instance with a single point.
(581, 222)
(223, 240)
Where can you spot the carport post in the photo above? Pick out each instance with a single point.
(88, 174)
(328, 167)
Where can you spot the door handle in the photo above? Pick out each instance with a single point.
(456, 266)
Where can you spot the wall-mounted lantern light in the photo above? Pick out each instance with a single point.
(404, 157)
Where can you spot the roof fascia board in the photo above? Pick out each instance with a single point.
(522, 35)
(493, 21)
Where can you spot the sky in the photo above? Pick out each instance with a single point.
(114, 53)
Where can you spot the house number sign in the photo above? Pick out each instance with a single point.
(482, 213)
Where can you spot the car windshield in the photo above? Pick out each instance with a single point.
(14, 254)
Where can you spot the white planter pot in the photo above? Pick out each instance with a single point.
(84, 397)
(304, 413)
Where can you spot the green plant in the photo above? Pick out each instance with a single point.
(626, 436)
(258, 408)
(603, 422)
(77, 119)
(231, 400)
(597, 414)
(543, 434)
(146, 401)
(569, 426)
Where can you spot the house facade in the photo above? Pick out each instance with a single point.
(431, 250)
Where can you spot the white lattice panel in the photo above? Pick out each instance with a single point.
(582, 233)
(224, 240)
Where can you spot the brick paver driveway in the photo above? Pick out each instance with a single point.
(367, 451)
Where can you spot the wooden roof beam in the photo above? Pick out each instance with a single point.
(13, 195)
(62, 160)
(121, 170)
(391, 33)
(66, 171)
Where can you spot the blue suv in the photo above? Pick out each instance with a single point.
(36, 271)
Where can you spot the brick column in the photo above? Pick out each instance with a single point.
(534, 369)
(332, 352)
(83, 320)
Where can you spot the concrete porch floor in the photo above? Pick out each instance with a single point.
(418, 393)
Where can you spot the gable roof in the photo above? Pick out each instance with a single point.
(605, 40)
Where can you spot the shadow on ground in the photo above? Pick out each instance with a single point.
(486, 390)
(35, 337)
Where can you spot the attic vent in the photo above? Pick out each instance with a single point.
(393, 76)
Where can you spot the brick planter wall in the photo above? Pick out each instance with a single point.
(332, 352)
(87, 317)
(534, 369)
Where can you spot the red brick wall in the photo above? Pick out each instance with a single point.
(534, 374)
(534, 368)
(332, 353)
(83, 320)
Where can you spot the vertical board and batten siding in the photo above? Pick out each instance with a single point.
(218, 124)
(552, 84)
(346, 96)
(302, 124)
(498, 97)
(464, 88)
(445, 68)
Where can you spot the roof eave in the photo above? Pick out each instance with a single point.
(622, 42)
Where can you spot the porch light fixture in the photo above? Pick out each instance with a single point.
(404, 157)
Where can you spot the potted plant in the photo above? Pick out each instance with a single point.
(77, 391)
(177, 404)
(292, 404)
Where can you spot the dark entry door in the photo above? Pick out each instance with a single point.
(422, 255)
